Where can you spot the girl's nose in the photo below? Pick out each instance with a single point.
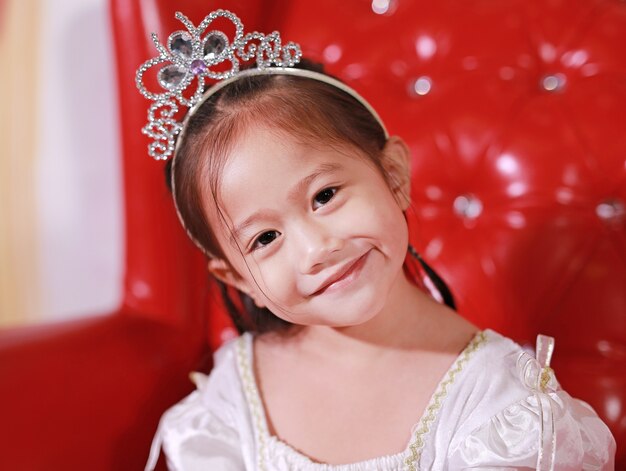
(317, 246)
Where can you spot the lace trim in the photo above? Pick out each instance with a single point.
(252, 395)
(436, 401)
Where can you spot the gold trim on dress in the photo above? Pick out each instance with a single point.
(252, 395)
(436, 401)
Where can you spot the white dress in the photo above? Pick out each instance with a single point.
(497, 407)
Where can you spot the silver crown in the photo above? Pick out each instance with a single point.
(194, 55)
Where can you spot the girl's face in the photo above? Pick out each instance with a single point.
(315, 234)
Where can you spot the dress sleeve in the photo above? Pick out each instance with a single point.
(547, 430)
(196, 438)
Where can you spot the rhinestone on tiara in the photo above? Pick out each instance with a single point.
(192, 56)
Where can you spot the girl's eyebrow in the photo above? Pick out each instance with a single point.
(293, 194)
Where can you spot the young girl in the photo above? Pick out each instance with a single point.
(287, 180)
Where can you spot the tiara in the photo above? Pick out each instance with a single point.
(199, 55)
(192, 55)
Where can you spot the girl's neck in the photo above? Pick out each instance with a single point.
(410, 320)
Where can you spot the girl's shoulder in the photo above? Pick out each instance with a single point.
(507, 407)
(205, 429)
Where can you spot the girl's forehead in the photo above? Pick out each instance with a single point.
(259, 140)
(263, 155)
(265, 165)
(261, 163)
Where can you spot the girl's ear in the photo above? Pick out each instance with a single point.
(396, 162)
(222, 270)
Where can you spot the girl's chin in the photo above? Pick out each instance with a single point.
(355, 316)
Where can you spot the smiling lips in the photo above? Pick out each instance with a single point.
(343, 276)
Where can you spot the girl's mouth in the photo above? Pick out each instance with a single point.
(343, 276)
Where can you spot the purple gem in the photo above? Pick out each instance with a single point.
(198, 66)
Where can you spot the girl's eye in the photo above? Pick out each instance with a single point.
(323, 197)
(264, 239)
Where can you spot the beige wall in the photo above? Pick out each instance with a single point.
(60, 186)
(19, 277)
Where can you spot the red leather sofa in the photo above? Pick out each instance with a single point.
(515, 112)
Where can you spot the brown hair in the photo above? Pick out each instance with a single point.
(307, 109)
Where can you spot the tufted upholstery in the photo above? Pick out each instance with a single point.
(515, 112)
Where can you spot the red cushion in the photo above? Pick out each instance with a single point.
(519, 188)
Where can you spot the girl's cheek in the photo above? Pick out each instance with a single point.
(277, 276)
